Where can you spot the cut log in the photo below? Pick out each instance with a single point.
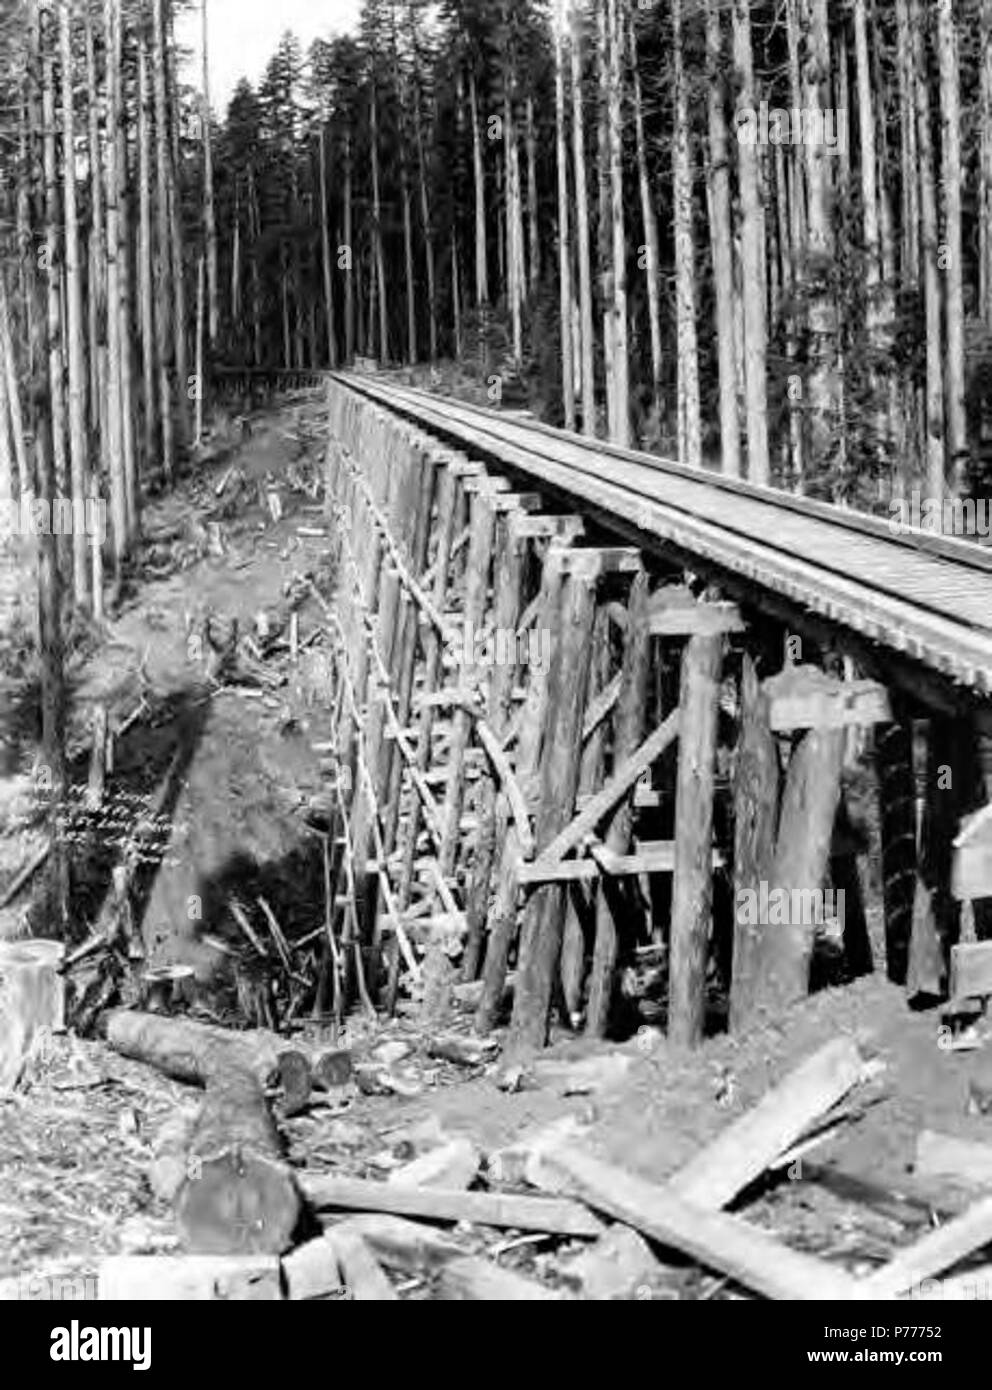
(935, 1252)
(363, 1277)
(473, 1279)
(330, 1193)
(751, 1257)
(746, 1148)
(237, 1195)
(189, 1279)
(618, 1265)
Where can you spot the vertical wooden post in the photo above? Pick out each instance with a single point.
(582, 900)
(502, 922)
(541, 934)
(692, 894)
(628, 734)
(510, 548)
(479, 563)
(897, 817)
(756, 789)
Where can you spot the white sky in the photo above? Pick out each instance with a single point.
(243, 35)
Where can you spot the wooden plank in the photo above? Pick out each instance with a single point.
(601, 707)
(804, 697)
(745, 1149)
(549, 1214)
(971, 970)
(537, 527)
(361, 1272)
(687, 617)
(619, 784)
(748, 1255)
(935, 1252)
(407, 1246)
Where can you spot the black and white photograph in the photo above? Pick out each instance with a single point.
(496, 670)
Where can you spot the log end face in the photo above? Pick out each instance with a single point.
(239, 1204)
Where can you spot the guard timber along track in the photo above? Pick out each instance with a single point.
(926, 598)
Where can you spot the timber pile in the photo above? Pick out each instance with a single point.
(239, 1216)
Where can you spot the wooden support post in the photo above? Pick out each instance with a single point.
(935, 914)
(629, 731)
(541, 935)
(692, 897)
(502, 922)
(809, 808)
(756, 790)
(476, 590)
(582, 900)
(510, 550)
(445, 530)
(897, 817)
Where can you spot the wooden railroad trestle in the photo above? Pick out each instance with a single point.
(498, 808)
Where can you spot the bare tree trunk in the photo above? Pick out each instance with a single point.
(148, 341)
(621, 365)
(985, 165)
(78, 455)
(650, 219)
(722, 242)
(97, 295)
(236, 258)
(8, 367)
(587, 338)
(752, 253)
(481, 257)
(325, 249)
(349, 290)
(53, 257)
(532, 204)
(163, 262)
(380, 261)
(115, 434)
(564, 243)
(950, 145)
(690, 425)
(125, 281)
(936, 485)
(180, 322)
(209, 215)
(200, 295)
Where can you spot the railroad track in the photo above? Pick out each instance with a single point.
(927, 599)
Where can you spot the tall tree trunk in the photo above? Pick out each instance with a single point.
(752, 270)
(115, 433)
(149, 345)
(690, 426)
(53, 263)
(380, 260)
(125, 282)
(79, 462)
(173, 166)
(349, 282)
(950, 146)
(97, 290)
(163, 260)
(822, 391)
(564, 242)
(621, 365)
(722, 243)
(587, 337)
(935, 453)
(325, 250)
(209, 215)
(534, 226)
(481, 256)
(650, 219)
